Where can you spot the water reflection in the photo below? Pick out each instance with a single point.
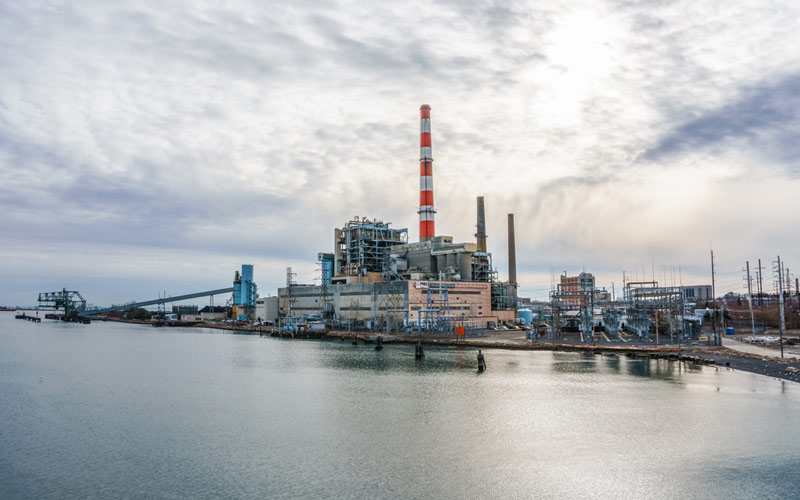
(573, 363)
(661, 369)
(243, 356)
(612, 363)
(639, 367)
(461, 357)
(691, 367)
(399, 358)
(229, 416)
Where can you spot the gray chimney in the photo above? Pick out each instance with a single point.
(481, 234)
(512, 253)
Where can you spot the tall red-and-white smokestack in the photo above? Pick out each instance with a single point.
(426, 211)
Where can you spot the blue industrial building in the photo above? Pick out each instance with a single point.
(327, 263)
(244, 294)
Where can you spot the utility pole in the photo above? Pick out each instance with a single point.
(656, 326)
(289, 284)
(788, 284)
(670, 319)
(750, 300)
(714, 300)
(623, 286)
(760, 282)
(779, 271)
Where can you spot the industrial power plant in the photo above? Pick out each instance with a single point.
(375, 279)
(378, 279)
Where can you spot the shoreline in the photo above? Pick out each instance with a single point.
(720, 357)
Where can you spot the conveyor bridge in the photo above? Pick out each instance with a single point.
(164, 300)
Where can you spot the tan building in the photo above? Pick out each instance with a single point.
(470, 302)
(572, 290)
(601, 297)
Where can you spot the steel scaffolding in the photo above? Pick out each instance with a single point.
(482, 267)
(363, 245)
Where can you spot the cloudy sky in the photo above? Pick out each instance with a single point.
(150, 146)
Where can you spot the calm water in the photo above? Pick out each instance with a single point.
(118, 411)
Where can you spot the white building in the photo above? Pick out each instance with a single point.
(267, 309)
(693, 293)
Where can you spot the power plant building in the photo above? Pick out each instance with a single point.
(377, 274)
(464, 302)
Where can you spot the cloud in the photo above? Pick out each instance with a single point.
(182, 139)
(765, 118)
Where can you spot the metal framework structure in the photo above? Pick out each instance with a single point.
(645, 304)
(555, 323)
(393, 304)
(70, 300)
(482, 267)
(326, 309)
(648, 303)
(290, 300)
(560, 302)
(437, 304)
(639, 321)
(503, 298)
(587, 323)
(389, 312)
(612, 321)
(163, 300)
(363, 245)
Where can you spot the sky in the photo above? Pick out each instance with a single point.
(154, 147)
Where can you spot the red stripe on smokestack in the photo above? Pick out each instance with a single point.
(426, 210)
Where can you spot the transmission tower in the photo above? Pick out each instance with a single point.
(778, 270)
(289, 284)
